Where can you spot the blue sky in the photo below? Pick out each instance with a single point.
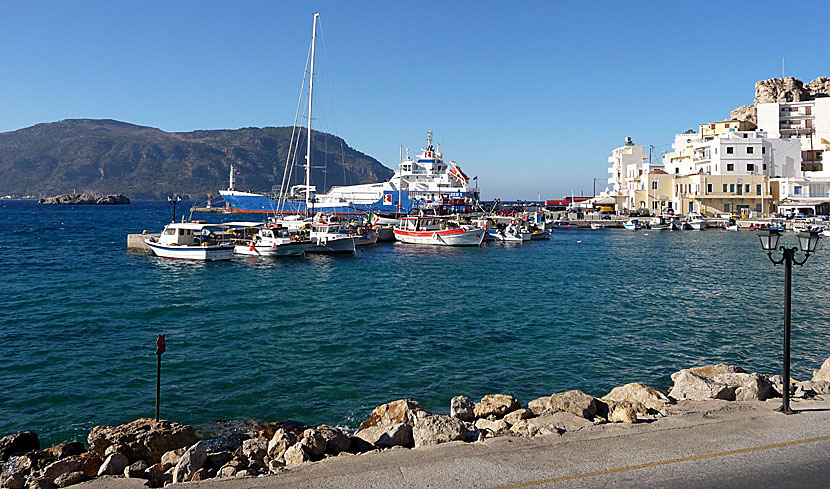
(530, 96)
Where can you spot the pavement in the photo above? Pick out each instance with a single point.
(712, 444)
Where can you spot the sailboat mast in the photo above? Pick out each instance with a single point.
(400, 183)
(310, 96)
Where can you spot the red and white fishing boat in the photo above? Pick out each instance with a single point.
(440, 231)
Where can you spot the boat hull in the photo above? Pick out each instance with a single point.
(448, 237)
(290, 249)
(367, 239)
(193, 253)
(333, 246)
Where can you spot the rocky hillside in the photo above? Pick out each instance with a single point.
(788, 89)
(107, 156)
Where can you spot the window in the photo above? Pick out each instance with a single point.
(740, 189)
(750, 150)
(654, 204)
(654, 185)
(730, 167)
(725, 188)
(732, 187)
(750, 167)
(726, 207)
(708, 188)
(758, 208)
(758, 189)
(677, 170)
(797, 190)
(765, 166)
(764, 150)
(730, 150)
(746, 188)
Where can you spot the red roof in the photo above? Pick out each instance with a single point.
(658, 172)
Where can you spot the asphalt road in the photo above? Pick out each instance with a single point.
(717, 445)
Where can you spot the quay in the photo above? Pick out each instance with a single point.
(135, 242)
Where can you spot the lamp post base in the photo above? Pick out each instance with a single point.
(785, 410)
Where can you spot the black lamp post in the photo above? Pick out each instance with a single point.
(174, 200)
(807, 240)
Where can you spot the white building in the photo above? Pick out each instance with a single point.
(627, 165)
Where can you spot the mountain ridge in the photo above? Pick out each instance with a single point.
(110, 156)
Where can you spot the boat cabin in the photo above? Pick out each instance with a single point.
(182, 234)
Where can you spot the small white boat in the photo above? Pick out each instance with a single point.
(659, 224)
(511, 234)
(188, 241)
(596, 225)
(731, 226)
(632, 225)
(331, 238)
(440, 231)
(561, 223)
(825, 233)
(274, 241)
(696, 224)
(367, 238)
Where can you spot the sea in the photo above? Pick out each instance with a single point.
(326, 339)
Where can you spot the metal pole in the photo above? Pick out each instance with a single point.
(174, 209)
(158, 386)
(788, 282)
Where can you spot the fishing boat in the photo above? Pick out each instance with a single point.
(512, 233)
(732, 225)
(659, 224)
(272, 241)
(695, 223)
(632, 224)
(561, 223)
(331, 238)
(189, 241)
(440, 231)
(596, 225)
(367, 238)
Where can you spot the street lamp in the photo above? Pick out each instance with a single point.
(807, 240)
(174, 200)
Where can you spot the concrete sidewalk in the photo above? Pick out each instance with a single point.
(712, 444)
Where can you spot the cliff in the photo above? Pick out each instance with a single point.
(788, 89)
(108, 157)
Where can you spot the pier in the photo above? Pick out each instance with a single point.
(135, 242)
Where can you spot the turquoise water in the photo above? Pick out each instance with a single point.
(327, 339)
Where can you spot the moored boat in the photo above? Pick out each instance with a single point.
(434, 230)
(633, 225)
(273, 241)
(188, 241)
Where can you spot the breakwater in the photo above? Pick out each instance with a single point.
(329, 339)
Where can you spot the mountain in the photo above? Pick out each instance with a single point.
(108, 156)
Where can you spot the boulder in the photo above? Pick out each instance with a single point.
(710, 371)
(517, 415)
(202, 474)
(19, 465)
(688, 385)
(809, 388)
(218, 459)
(277, 448)
(172, 457)
(144, 439)
(18, 444)
(192, 460)
(156, 475)
(820, 86)
(336, 441)
(313, 442)
(396, 435)
(114, 465)
(495, 405)
(90, 463)
(60, 467)
(400, 411)
(649, 397)
(550, 424)
(496, 427)
(65, 450)
(623, 412)
(227, 471)
(575, 402)
(748, 113)
(70, 479)
(41, 483)
(275, 466)
(823, 373)
(12, 481)
(296, 455)
(463, 408)
(434, 429)
(255, 448)
(136, 470)
(787, 89)
(747, 387)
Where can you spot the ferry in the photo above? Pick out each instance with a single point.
(421, 183)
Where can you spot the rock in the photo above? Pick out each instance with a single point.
(623, 412)
(115, 449)
(710, 371)
(114, 465)
(172, 457)
(85, 198)
(12, 481)
(336, 440)
(277, 448)
(575, 402)
(786, 89)
(823, 373)
(41, 483)
(60, 467)
(156, 475)
(551, 424)
(496, 427)
(651, 398)
(296, 455)
(65, 450)
(388, 436)
(18, 444)
(359, 445)
(688, 385)
(145, 439)
(519, 414)
(819, 87)
(245, 473)
(255, 448)
(192, 460)
(747, 387)
(435, 428)
(227, 471)
(275, 466)
(313, 442)
(70, 479)
(495, 405)
(747, 113)
(218, 459)
(463, 408)
(202, 474)
(136, 470)
(19, 465)
(400, 411)
(90, 463)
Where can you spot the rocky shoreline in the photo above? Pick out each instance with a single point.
(86, 198)
(165, 452)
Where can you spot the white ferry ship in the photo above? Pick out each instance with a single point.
(423, 183)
